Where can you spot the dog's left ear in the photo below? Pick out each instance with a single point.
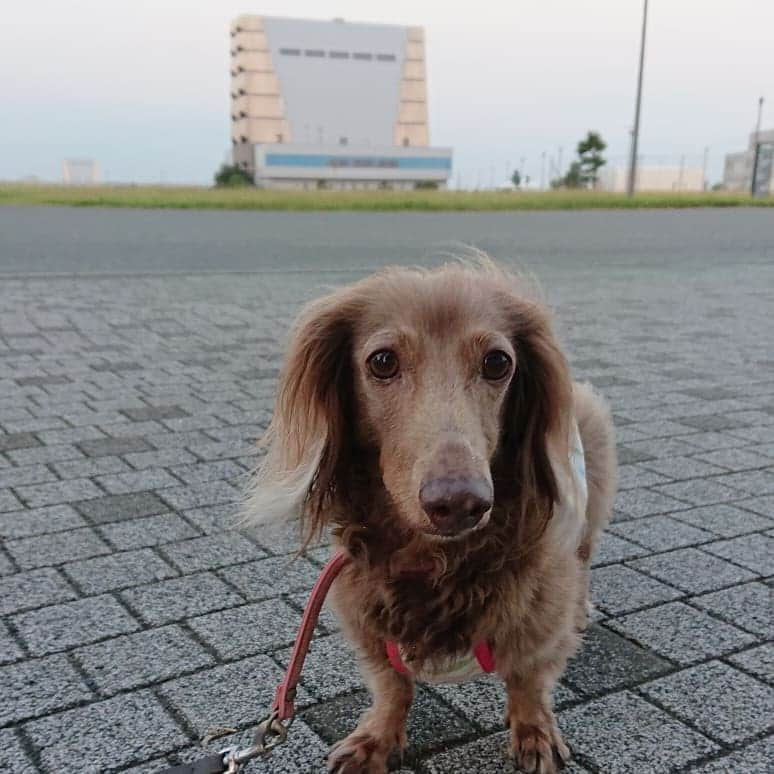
(537, 415)
(308, 440)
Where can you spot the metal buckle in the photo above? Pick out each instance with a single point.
(269, 733)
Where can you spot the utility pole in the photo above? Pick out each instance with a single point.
(704, 168)
(636, 131)
(756, 147)
(542, 170)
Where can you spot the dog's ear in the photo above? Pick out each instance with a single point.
(308, 441)
(536, 420)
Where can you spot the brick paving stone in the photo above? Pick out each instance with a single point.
(59, 627)
(637, 477)
(89, 467)
(38, 521)
(680, 468)
(715, 422)
(148, 531)
(271, 577)
(117, 571)
(660, 533)
(9, 648)
(214, 518)
(212, 552)
(42, 455)
(764, 506)
(756, 552)
(106, 447)
(681, 633)
(607, 661)
(56, 548)
(57, 492)
(114, 732)
(34, 588)
(692, 570)
(8, 501)
(618, 589)
(736, 459)
(623, 733)
(25, 474)
(161, 458)
(227, 470)
(200, 494)
(145, 413)
(758, 661)
(102, 510)
(725, 520)
(748, 606)
(723, 702)
(6, 567)
(143, 658)
(12, 441)
(13, 757)
(750, 482)
(179, 598)
(754, 759)
(636, 503)
(248, 630)
(699, 491)
(137, 481)
(39, 686)
(488, 755)
(232, 695)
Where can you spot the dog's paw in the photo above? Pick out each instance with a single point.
(359, 753)
(538, 750)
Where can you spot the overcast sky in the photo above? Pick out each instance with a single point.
(142, 86)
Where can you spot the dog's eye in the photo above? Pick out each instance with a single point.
(383, 364)
(496, 365)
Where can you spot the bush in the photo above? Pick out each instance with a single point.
(232, 176)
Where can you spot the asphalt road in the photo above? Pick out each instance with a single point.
(110, 241)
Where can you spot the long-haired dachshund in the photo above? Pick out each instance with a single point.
(428, 418)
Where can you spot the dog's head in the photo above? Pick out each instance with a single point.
(449, 380)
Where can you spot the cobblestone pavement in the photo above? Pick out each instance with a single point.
(135, 616)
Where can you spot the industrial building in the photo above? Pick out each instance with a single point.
(331, 104)
(738, 169)
(652, 178)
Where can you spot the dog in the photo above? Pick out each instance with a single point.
(428, 420)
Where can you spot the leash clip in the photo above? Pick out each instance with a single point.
(269, 734)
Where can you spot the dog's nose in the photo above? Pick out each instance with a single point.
(454, 504)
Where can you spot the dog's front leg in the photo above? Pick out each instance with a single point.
(382, 728)
(536, 743)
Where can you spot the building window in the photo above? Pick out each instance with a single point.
(363, 56)
(342, 140)
(279, 138)
(338, 54)
(290, 51)
(385, 57)
(406, 142)
(314, 52)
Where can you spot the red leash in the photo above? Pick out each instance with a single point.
(285, 694)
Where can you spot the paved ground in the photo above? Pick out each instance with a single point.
(134, 617)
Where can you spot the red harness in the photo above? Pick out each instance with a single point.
(482, 652)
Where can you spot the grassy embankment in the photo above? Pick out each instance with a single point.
(171, 197)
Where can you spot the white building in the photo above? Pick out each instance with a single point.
(80, 172)
(737, 172)
(331, 104)
(652, 178)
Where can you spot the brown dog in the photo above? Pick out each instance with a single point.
(429, 419)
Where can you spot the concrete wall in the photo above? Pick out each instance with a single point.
(653, 179)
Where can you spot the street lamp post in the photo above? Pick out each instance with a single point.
(636, 131)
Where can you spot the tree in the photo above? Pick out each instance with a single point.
(232, 176)
(573, 178)
(516, 178)
(590, 157)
